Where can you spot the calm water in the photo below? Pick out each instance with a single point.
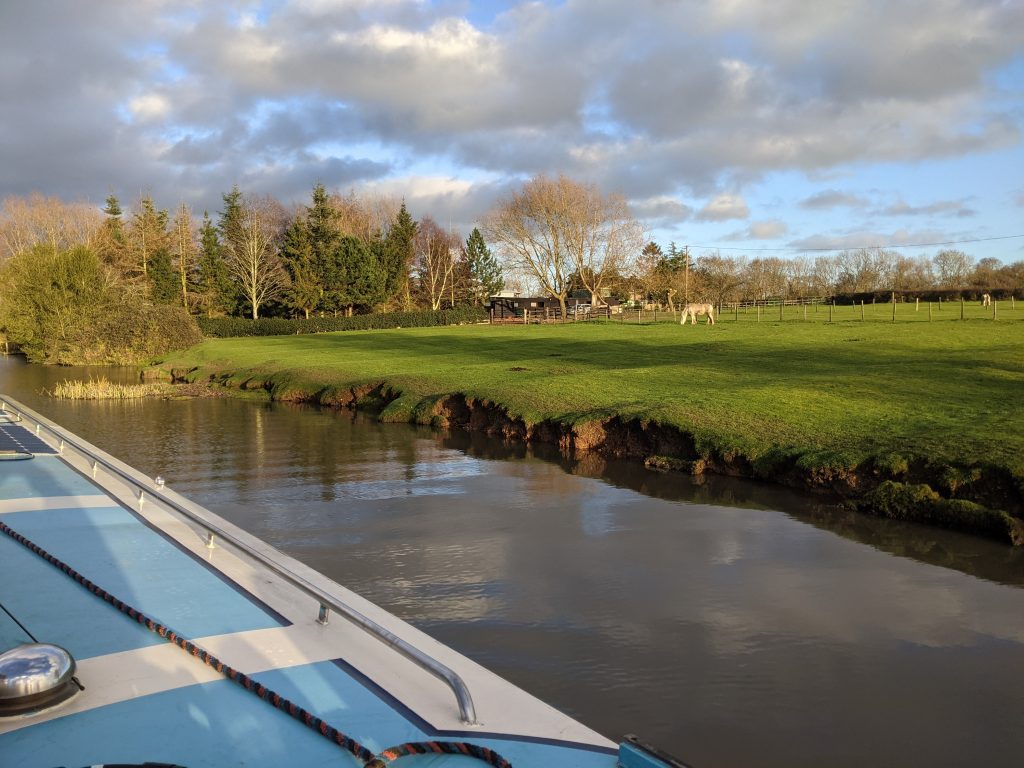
(733, 624)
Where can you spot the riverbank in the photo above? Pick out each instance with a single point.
(908, 420)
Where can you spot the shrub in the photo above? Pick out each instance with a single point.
(223, 327)
(67, 307)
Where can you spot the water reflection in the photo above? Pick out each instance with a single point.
(724, 620)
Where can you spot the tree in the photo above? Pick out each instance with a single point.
(218, 294)
(306, 290)
(147, 234)
(186, 255)
(250, 253)
(722, 276)
(436, 258)
(396, 256)
(554, 228)
(111, 244)
(953, 267)
(483, 270)
(364, 281)
(35, 220)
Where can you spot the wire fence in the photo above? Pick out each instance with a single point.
(812, 309)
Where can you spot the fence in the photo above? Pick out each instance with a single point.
(812, 309)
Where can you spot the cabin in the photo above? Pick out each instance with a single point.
(505, 306)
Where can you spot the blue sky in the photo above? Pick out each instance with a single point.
(743, 125)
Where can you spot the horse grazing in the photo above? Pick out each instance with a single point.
(986, 300)
(698, 309)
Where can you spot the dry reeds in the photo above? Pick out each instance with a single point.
(104, 389)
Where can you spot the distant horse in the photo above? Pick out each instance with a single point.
(698, 309)
(986, 300)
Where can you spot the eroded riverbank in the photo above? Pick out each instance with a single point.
(982, 499)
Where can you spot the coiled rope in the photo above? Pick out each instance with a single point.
(304, 716)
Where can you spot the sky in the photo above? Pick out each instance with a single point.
(753, 127)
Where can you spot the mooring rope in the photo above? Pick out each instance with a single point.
(273, 698)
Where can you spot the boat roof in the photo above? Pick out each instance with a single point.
(232, 595)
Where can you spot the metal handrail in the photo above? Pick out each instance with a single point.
(467, 711)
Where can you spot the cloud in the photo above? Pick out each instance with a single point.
(833, 198)
(955, 208)
(723, 208)
(873, 239)
(659, 101)
(759, 230)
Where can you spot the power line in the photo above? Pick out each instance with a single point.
(857, 247)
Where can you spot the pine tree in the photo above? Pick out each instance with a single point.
(396, 256)
(484, 270)
(305, 291)
(364, 274)
(112, 246)
(218, 293)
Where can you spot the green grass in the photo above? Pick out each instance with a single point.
(945, 390)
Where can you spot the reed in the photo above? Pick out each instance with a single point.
(104, 389)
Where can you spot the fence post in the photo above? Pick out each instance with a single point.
(894, 306)
(758, 310)
(492, 315)
(862, 309)
(830, 311)
(995, 309)
(961, 307)
(917, 304)
(929, 311)
(782, 306)
(805, 313)
(737, 308)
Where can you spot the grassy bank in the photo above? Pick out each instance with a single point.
(771, 399)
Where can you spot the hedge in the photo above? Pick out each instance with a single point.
(223, 327)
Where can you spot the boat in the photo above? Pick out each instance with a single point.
(137, 627)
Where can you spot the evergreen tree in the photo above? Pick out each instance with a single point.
(364, 274)
(397, 254)
(230, 223)
(163, 279)
(112, 246)
(484, 271)
(305, 292)
(323, 234)
(218, 293)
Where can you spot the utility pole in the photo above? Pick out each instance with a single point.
(686, 274)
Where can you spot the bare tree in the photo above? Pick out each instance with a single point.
(185, 251)
(722, 276)
(954, 268)
(251, 254)
(34, 220)
(437, 254)
(555, 227)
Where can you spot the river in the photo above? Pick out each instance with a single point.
(731, 623)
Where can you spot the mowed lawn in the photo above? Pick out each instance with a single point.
(948, 390)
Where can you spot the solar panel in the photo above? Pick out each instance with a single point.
(15, 438)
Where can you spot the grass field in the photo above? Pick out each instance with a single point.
(946, 390)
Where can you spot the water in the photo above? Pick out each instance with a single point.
(732, 623)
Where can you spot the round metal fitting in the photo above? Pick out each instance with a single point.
(35, 676)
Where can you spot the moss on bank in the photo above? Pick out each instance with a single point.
(971, 498)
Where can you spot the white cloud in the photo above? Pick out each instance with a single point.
(723, 208)
(149, 106)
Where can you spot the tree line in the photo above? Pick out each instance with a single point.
(336, 255)
(710, 276)
(340, 255)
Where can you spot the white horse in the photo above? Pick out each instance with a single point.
(986, 300)
(698, 309)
